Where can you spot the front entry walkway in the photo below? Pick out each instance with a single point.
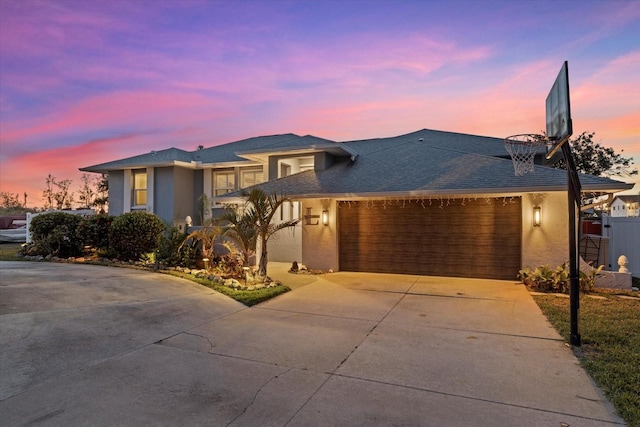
(340, 349)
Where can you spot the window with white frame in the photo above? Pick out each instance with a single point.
(249, 177)
(223, 182)
(139, 190)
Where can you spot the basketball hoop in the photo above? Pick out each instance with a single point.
(522, 149)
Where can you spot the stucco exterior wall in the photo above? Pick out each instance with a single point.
(116, 192)
(163, 193)
(286, 245)
(183, 196)
(549, 243)
(320, 242)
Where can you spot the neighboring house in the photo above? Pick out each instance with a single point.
(625, 206)
(429, 202)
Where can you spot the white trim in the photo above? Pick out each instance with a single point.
(207, 185)
(128, 177)
(150, 187)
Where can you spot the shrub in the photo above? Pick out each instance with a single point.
(172, 252)
(55, 233)
(94, 230)
(135, 233)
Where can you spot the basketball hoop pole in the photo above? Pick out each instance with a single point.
(559, 129)
(574, 197)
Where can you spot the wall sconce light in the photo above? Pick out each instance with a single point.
(325, 217)
(537, 216)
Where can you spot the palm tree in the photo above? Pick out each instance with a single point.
(261, 208)
(241, 232)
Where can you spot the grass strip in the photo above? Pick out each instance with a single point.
(610, 351)
(9, 252)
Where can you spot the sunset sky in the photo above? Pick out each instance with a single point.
(85, 82)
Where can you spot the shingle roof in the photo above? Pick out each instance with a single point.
(488, 146)
(219, 154)
(406, 166)
(154, 158)
(422, 162)
(227, 152)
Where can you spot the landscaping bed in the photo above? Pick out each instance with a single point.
(248, 293)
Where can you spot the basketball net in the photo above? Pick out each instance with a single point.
(523, 149)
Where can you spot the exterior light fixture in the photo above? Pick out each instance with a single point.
(325, 217)
(537, 216)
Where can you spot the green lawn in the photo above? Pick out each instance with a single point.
(610, 351)
(8, 251)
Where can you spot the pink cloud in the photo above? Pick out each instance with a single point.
(116, 111)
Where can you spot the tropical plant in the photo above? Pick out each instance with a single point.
(173, 251)
(588, 279)
(241, 232)
(260, 209)
(206, 237)
(544, 279)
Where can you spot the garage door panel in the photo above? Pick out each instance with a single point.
(477, 239)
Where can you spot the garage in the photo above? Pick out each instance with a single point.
(458, 237)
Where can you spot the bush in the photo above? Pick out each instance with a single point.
(135, 233)
(172, 252)
(94, 230)
(55, 233)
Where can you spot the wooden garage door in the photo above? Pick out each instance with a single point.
(441, 237)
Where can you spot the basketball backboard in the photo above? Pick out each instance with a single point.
(558, 111)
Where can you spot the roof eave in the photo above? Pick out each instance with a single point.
(262, 155)
(479, 192)
(105, 168)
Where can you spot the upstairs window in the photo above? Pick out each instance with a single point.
(223, 183)
(249, 177)
(139, 195)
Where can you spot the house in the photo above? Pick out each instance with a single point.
(428, 202)
(625, 206)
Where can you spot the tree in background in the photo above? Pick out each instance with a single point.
(102, 194)
(11, 201)
(592, 158)
(87, 194)
(94, 192)
(56, 193)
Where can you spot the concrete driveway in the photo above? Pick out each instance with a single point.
(86, 345)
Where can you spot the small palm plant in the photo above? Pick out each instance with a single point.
(207, 237)
(240, 231)
(260, 210)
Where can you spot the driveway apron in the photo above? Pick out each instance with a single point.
(86, 345)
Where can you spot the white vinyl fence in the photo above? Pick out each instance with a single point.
(624, 239)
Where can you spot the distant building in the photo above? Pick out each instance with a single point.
(625, 206)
